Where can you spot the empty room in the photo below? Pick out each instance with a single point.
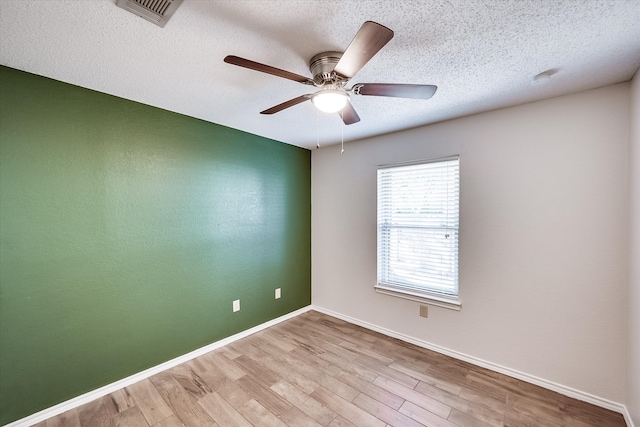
(320, 213)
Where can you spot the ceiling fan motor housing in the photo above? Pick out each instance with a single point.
(322, 66)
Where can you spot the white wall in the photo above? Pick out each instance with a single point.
(633, 331)
(543, 237)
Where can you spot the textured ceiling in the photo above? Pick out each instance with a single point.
(482, 55)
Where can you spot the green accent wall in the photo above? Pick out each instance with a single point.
(125, 233)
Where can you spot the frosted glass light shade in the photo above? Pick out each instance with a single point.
(330, 100)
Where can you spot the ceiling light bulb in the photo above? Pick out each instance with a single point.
(330, 100)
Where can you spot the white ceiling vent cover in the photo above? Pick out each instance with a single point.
(156, 11)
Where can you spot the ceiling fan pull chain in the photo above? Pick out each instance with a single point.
(342, 129)
(317, 129)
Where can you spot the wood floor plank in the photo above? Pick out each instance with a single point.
(305, 340)
(409, 353)
(122, 400)
(171, 421)
(286, 372)
(447, 385)
(283, 343)
(313, 359)
(486, 386)
(230, 369)
(227, 352)
(362, 351)
(360, 371)
(256, 371)
(538, 410)
(328, 335)
(267, 397)
(259, 416)
(378, 393)
(222, 412)
(342, 337)
(338, 387)
(392, 374)
(384, 412)
(210, 373)
(251, 349)
(571, 408)
(66, 419)
(233, 393)
(314, 409)
(514, 418)
(318, 338)
(449, 371)
(338, 421)
(346, 409)
(480, 398)
(463, 419)
(278, 366)
(414, 397)
(334, 347)
(255, 340)
(131, 417)
(147, 398)
(423, 363)
(423, 416)
(295, 417)
(299, 365)
(190, 380)
(96, 414)
(515, 387)
(365, 334)
(473, 409)
(333, 358)
(183, 404)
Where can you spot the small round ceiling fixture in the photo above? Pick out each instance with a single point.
(543, 77)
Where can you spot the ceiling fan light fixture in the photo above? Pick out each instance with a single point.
(330, 100)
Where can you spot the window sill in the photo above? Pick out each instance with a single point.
(437, 300)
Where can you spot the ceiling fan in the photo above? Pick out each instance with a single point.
(332, 70)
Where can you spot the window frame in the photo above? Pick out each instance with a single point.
(412, 292)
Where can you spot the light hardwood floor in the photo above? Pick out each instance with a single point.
(316, 370)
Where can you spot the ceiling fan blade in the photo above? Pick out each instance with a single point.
(368, 41)
(349, 115)
(252, 65)
(395, 90)
(286, 104)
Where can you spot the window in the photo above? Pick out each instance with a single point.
(418, 216)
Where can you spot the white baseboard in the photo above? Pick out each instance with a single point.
(559, 388)
(627, 417)
(110, 388)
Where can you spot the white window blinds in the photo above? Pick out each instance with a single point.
(418, 212)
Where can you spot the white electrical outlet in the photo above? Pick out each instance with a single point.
(424, 311)
(236, 305)
(277, 293)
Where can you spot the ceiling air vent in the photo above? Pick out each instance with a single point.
(156, 11)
